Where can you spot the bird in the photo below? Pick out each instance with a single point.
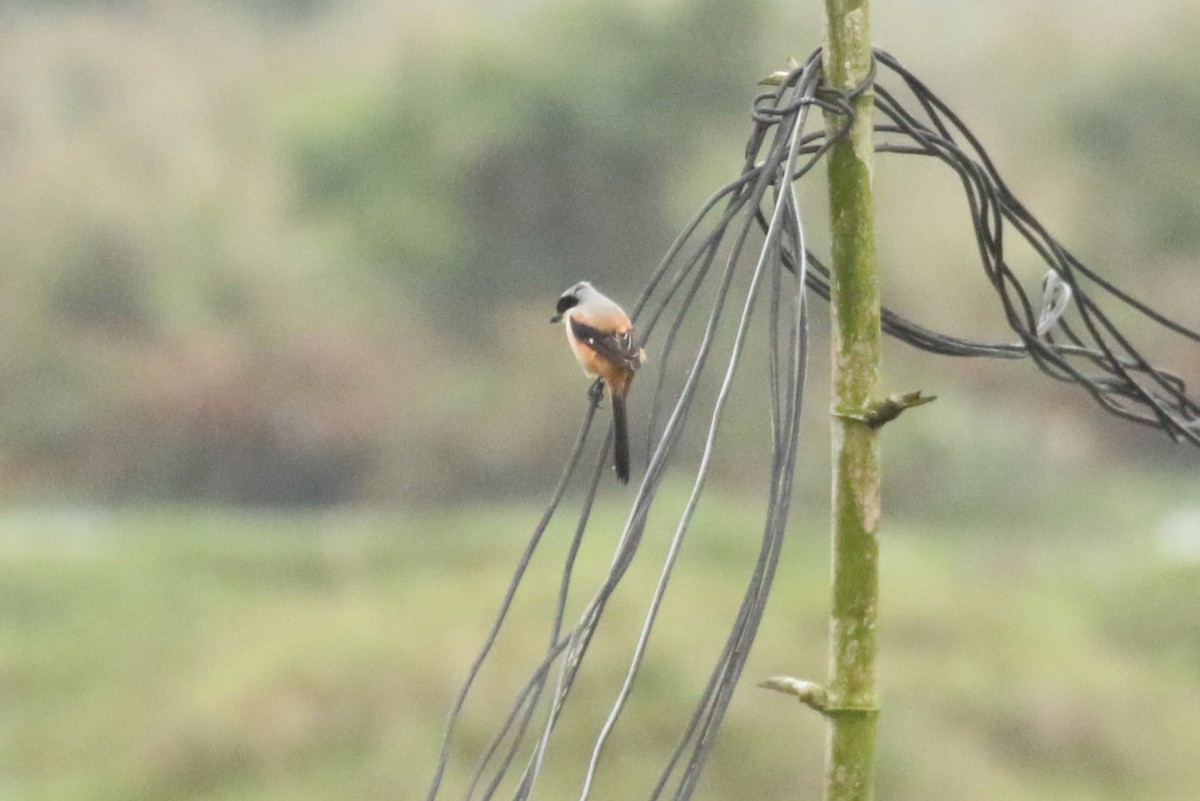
(601, 337)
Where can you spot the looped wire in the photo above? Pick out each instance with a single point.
(1056, 298)
(845, 99)
(1069, 337)
(827, 98)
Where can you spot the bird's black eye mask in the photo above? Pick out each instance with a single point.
(566, 302)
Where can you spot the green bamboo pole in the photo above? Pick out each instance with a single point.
(851, 703)
(847, 700)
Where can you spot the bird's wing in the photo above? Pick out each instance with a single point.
(617, 347)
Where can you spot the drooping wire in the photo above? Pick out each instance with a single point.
(1098, 356)
(745, 192)
(531, 692)
(509, 594)
(1093, 352)
(784, 203)
(1067, 335)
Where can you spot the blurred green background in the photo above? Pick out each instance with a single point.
(279, 403)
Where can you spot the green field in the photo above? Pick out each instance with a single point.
(188, 653)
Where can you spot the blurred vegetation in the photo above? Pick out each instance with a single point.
(300, 251)
(168, 654)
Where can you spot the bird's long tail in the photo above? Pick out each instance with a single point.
(620, 437)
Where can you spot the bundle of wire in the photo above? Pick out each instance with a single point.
(1067, 335)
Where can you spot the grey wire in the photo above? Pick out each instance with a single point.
(1068, 336)
(710, 713)
(702, 472)
(635, 524)
(1162, 401)
(536, 683)
(509, 594)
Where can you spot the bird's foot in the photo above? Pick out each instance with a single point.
(596, 391)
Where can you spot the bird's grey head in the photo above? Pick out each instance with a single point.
(572, 298)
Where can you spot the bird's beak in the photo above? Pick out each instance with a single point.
(556, 318)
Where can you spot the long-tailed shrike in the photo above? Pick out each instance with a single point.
(601, 336)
